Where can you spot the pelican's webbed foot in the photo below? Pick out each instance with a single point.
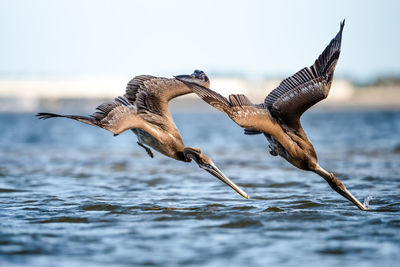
(148, 150)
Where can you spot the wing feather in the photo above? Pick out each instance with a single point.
(307, 87)
(134, 85)
(151, 94)
(116, 116)
(218, 101)
(239, 108)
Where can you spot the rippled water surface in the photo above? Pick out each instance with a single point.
(71, 194)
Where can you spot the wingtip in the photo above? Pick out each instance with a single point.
(342, 24)
(44, 116)
(192, 85)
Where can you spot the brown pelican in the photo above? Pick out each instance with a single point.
(278, 118)
(144, 110)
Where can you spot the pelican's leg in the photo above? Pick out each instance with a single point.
(339, 187)
(148, 150)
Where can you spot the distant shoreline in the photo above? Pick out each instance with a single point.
(85, 95)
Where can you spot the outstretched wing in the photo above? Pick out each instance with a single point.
(238, 107)
(151, 94)
(145, 100)
(307, 87)
(116, 116)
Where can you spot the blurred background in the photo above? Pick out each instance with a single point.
(74, 195)
(55, 54)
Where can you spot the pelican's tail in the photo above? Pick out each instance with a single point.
(88, 120)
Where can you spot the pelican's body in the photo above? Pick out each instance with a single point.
(278, 118)
(144, 110)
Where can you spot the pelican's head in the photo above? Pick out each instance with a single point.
(198, 77)
(204, 162)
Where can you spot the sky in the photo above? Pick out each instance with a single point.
(98, 38)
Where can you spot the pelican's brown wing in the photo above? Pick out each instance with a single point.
(151, 94)
(115, 116)
(307, 87)
(133, 86)
(238, 107)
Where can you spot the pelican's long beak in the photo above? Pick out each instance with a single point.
(217, 173)
(344, 192)
(339, 187)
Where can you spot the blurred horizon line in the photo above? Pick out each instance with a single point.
(27, 95)
(353, 79)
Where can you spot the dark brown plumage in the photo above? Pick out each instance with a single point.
(144, 110)
(278, 118)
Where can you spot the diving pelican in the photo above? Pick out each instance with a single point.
(278, 118)
(144, 110)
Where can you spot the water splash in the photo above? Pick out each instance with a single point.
(367, 200)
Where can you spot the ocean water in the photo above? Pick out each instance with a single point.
(74, 195)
